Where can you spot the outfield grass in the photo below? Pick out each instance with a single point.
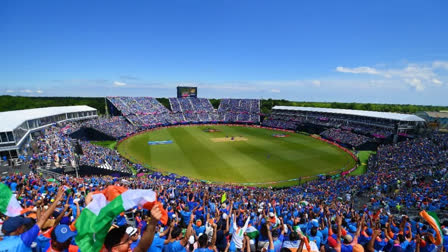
(363, 157)
(262, 158)
(107, 144)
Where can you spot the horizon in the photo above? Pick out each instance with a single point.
(380, 52)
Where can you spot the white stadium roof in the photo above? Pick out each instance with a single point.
(11, 119)
(374, 114)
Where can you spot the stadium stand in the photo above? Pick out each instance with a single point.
(17, 126)
(392, 207)
(353, 213)
(115, 126)
(239, 110)
(345, 137)
(192, 109)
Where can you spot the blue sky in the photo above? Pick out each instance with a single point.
(350, 51)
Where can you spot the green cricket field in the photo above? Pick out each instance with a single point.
(234, 154)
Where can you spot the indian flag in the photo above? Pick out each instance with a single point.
(9, 205)
(252, 232)
(96, 219)
(434, 222)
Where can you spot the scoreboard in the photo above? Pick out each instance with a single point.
(183, 92)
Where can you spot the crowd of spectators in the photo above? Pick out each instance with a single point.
(115, 126)
(137, 105)
(102, 157)
(376, 128)
(377, 211)
(142, 111)
(282, 122)
(345, 137)
(413, 153)
(54, 148)
(145, 111)
(192, 109)
(239, 110)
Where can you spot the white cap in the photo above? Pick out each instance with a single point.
(131, 231)
(191, 240)
(271, 214)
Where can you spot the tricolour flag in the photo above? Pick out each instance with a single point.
(96, 219)
(252, 232)
(434, 222)
(9, 205)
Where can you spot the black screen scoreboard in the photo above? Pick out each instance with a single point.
(183, 92)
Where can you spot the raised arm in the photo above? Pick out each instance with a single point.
(184, 241)
(271, 241)
(148, 235)
(61, 215)
(227, 225)
(214, 234)
(44, 217)
(371, 244)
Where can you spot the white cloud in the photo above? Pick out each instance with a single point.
(23, 91)
(418, 76)
(416, 83)
(119, 84)
(357, 70)
(440, 64)
(275, 90)
(316, 83)
(436, 81)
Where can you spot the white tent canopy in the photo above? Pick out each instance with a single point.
(363, 113)
(12, 119)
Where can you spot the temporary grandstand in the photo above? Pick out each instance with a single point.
(148, 112)
(394, 123)
(16, 126)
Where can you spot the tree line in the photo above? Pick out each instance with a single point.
(8, 103)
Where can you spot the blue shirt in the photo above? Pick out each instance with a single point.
(157, 244)
(445, 242)
(13, 186)
(174, 247)
(346, 248)
(185, 216)
(121, 220)
(199, 230)
(20, 242)
(316, 239)
(278, 243)
(203, 250)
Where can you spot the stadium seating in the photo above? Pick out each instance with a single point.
(373, 210)
(239, 110)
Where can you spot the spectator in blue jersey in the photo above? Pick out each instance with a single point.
(20, 232)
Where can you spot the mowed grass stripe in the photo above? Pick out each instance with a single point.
(204, 160)
(236, 161)
(262, 158)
